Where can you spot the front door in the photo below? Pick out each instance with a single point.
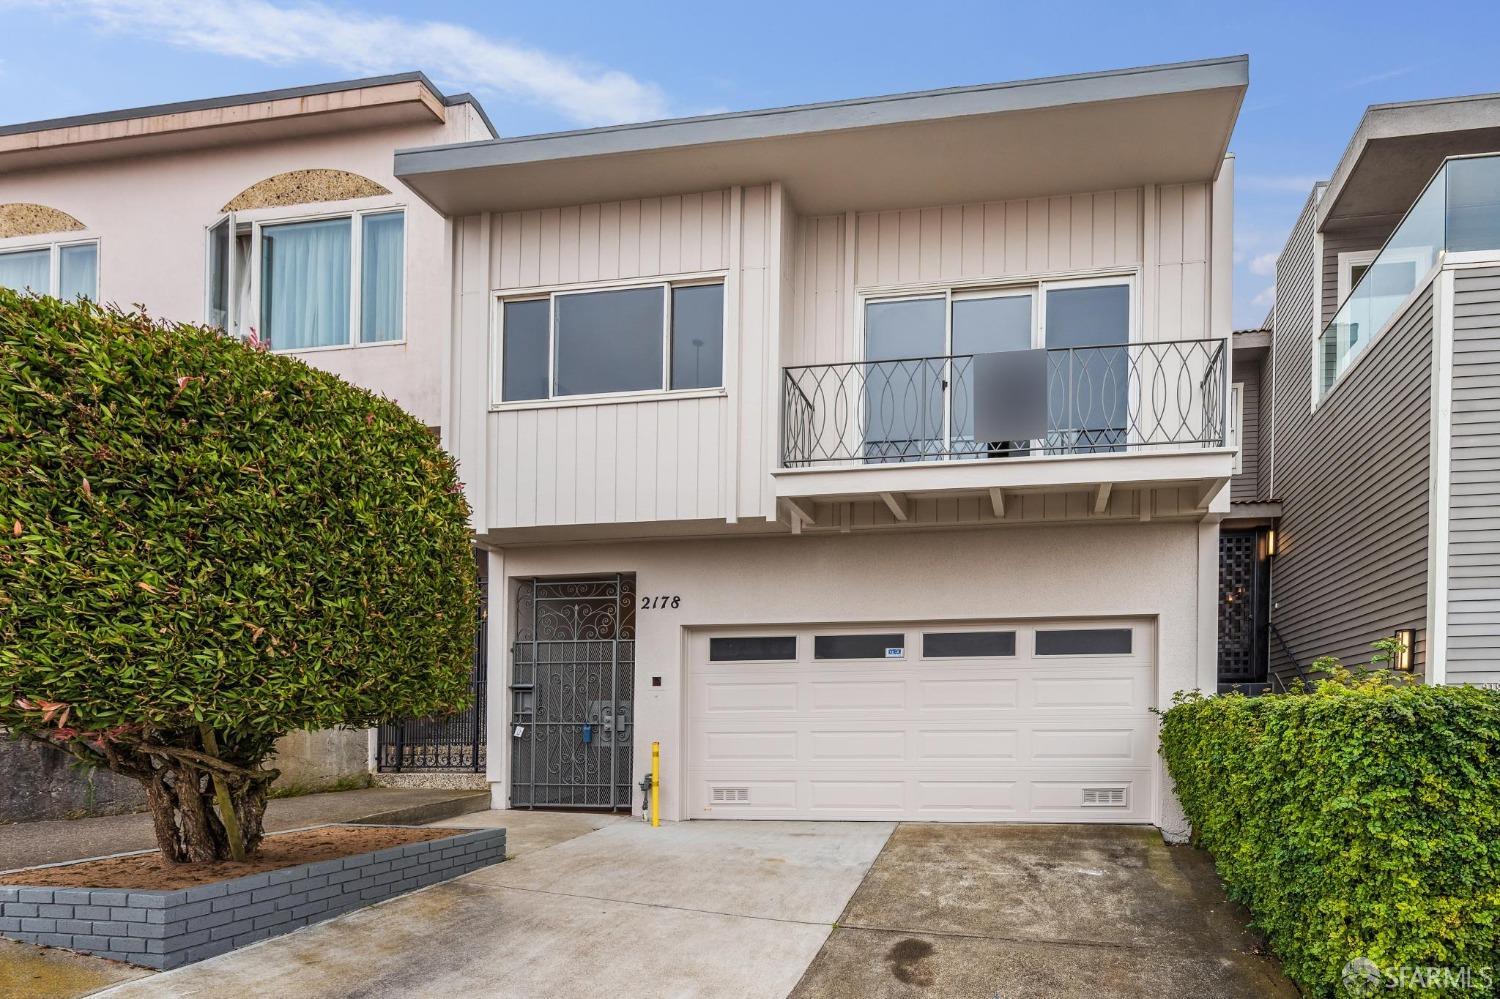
(572, 684)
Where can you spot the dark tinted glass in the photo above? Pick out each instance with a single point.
(969, 643)
(856, 646)
(610, 341)
(728, 650)
(698, 336)
(525, 352)
(1084, 642)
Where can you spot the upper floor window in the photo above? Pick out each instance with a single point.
(644, 338)
(324, 282)
(64, 270)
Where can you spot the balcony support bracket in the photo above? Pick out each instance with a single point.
(997, 502)
(801, 515)
(1210, 489)
(898, 504)
(1101, 497)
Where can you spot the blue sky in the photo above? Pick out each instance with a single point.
(541, 67)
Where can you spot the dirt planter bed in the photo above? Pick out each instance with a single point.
(192, 913)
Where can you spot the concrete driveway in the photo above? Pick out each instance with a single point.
(690, 909)
(748, 909)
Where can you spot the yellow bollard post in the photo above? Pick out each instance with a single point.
(655, 784)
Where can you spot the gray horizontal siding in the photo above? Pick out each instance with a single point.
(1474, 482)
(1367, 237)
(1245, 487)
(1352, 476)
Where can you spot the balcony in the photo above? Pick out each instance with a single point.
(1145, 414)
(1457, 212)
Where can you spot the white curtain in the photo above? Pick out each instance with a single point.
(78, 272)
(28, 270)
(305, 284)
(381, 256)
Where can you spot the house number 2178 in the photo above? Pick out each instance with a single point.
(661, 603)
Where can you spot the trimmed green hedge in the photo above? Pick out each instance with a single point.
(1361, 819)
(197, 532)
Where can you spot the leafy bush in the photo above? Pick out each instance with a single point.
(1360, 819)
(206, 546)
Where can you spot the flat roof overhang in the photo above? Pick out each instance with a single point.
(1396, 150)
(1095, 131)
(374, 102)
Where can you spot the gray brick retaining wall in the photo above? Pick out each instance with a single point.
(167, 929)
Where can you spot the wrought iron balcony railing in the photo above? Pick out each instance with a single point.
(1121, 397)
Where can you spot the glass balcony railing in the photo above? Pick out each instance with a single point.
(1458, 211)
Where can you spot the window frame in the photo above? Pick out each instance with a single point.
(261, 218)
(1037, 287)
(551, 293)
(1235, 435)
(54, 247)
(1347, 261)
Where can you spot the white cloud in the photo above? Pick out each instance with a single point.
(1264, 265)
(364, 44)
(1266, 298)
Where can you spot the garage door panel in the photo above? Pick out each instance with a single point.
(721, 747)
(1018, 738)
(739, 696)
(979, 745)
(1069, 692)
(847, 796)
(980, 798)
(969, 694)
(1061, 744)
(857, 695)
(854, 745)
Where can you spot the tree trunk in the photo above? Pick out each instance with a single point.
(188, 829)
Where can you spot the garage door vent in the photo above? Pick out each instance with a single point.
(1104, 797)
(731, 795)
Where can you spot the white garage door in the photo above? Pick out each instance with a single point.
(1036, 722)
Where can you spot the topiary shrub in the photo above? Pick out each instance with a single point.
(1360, 819)
(206, 546)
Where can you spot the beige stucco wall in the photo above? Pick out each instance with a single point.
(1161, 571)
(150, 213)
(316, 760)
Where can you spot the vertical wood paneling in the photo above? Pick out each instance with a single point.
(654, 459)
(992, 240)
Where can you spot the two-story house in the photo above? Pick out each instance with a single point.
(868, 457)
(1372, 455)
(276, 213)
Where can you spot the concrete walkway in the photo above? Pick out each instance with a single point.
(690, 909)
(27, 844)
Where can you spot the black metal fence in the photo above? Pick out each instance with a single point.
(450, 743)
(1119, 397)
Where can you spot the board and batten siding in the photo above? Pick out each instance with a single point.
(644, 459)
(1473, 631)
(1245, 487)
(1352, 477)
(1164, 231)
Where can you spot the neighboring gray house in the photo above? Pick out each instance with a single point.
(1369, 474)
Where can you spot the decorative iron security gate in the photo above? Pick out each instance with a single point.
(572, 684)
(447, 743)
(1244, 592)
